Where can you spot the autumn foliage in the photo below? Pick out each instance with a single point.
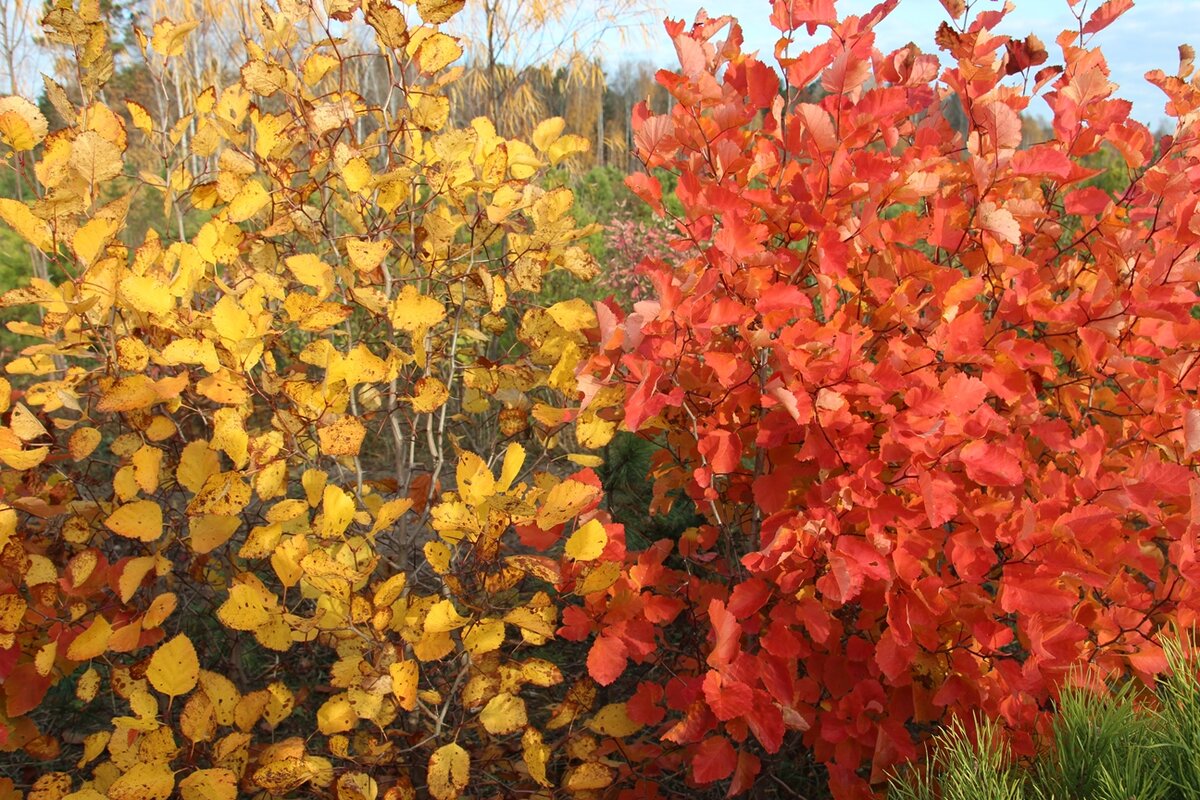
(300, 500)
(260, 479)
(936, 399)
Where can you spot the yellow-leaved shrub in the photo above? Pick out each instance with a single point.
(276, 474)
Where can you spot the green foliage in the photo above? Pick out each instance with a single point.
(964, 769)
(1119, 744)
(629, 492)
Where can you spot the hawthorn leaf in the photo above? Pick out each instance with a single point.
(449, 771)
(174, 668)
(503, 714)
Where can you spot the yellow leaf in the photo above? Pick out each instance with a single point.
(413, 311)
(585, 460)
(503, 714)
(32, 229)
(222, 493)
(140, 116)
(366, 255)
(438, 556)
(389, 591)
(311, 315)
(132, 575)
(25, 424)
(442, 617)
(336, 715)
(431, 394)
(141, 520)
(280, 704)
(92, 642)
(592, 431)
(23, 459)
(404, 683)
(209, 784)
(146, 294)
(485, 636)
(263, 77)
(587, 542)
(565, 501)
(312, 271)
(567, 146)
(547, 132)
(343, 438)
(83, 443)
(246, 609)
(599, 578)
(475, 481)
(196, 464)
(357, 174)
(174, 668)
(337, 512)
(88, 685)
(429, 112)
(449, 771)
(313, 481)
(356, 786)
(533, 626)
(433, 50)
(217, 243)
(536, 755)
(170, 37)
(552, 207)
(44, 660)
(315, 67)
(613, 720)
(192, 351)
(268, 132)
(573, 315)
(436, 12)
(160, 608)
(22, 125)
(94, 158)
(389, 512)
(132, 354)
(589, 775)
(230, 437)
(514, 457)
(271, 480)
(249, 200)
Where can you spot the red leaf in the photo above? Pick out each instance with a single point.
(791, 14)
(1041, 160)
(1087, 201)
(762, 83)
(24, 689)
(1191, 431)
(646, 704)
(728, 699)
(738, 238)
(1105, 15)
(748, 767)
(728, 635)
(646, 187)
(723, 451)
(606, 660)
(748, 597)
(691, 56)
(991, 465)
(715, 760)
(766, 722)
(937, 495)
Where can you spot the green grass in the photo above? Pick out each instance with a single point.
(1126, 744)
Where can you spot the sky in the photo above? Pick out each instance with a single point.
(1146, 37)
